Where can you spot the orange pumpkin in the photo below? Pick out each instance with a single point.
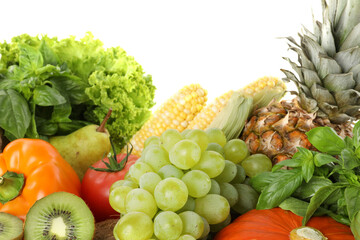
(277, 224)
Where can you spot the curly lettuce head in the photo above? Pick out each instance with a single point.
(120, 84)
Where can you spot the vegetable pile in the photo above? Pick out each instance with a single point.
(320, 182)
(53, 87)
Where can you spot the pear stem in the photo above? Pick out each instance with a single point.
(101, 128)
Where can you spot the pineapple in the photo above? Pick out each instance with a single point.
(327, 77)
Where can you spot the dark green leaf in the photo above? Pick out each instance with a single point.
(7, 83)
(15, 114)
(73, 86)
(308, 169)
(321, 159)
(292, 162)
(355, 226)
(349, 159)
(262, 180)
(352, 197)
(32, 130)
(356, 134)
(326, 140)
(45, 127)
(282, 188)
(30, 59)
(47, 96)
(320, 196)
(69, 127)
(307, 190)
(299, 207)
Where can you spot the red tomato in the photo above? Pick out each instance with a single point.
(96, 184)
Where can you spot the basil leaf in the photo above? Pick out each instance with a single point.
(292, 162)
(320, 196)
(47, 96)
(349, 159)
(325, 139)
(15, 113)
(30, 59)
(261, 180)
(282, 188)
(7, 83)
(348, 142)
(356, 135)
(73, 86)
(308, 169)
(355, 226)
(299, 207)
(352, 197)
(307, 190)
(48, 54)
(321, 159)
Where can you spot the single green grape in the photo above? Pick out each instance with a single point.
(229, 172)
(215, 135)
(149, 180)
(152, 140)
(189, 205)
(168, 226)
(200, 137)
(192, 224)
(240, 175)
(134, 226)
(156, 157)
(255, 164)
(171, 194)
(170, 171)
(138, 169)
(229, 192)
(206, 229)
(216, 147)
(185, 154)
(215, 187)
(140, 200)
(236, 150)
(117, 198)
(169, 138)
(212, 163)
(213, 207)
(123, 182)
(197, 182)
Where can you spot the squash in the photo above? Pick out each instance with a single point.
(277, 224)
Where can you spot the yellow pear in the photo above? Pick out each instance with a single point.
(84, 147)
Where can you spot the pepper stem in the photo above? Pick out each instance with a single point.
(11, 184)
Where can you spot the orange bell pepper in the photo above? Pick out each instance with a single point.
(31, 169)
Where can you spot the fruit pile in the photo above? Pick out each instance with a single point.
(183, 186)
(250, 165)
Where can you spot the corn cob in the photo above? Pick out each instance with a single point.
(175, 113)
(262, 91)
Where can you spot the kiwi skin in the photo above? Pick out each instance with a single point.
(11, 227)
(59, 216)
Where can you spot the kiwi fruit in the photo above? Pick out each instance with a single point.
(59, 216)
(11, 227)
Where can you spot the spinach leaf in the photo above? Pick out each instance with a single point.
(47, 96)
(15, 113)
(352, 197)
(320, 196)
(282, 188)
(325, 139)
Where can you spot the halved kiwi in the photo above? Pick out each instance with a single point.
(11, 227)
(59, 216)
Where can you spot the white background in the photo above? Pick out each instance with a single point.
(221, 45)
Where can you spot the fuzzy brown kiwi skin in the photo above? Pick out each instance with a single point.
(21, 235)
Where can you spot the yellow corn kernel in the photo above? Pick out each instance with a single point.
(175, 113)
